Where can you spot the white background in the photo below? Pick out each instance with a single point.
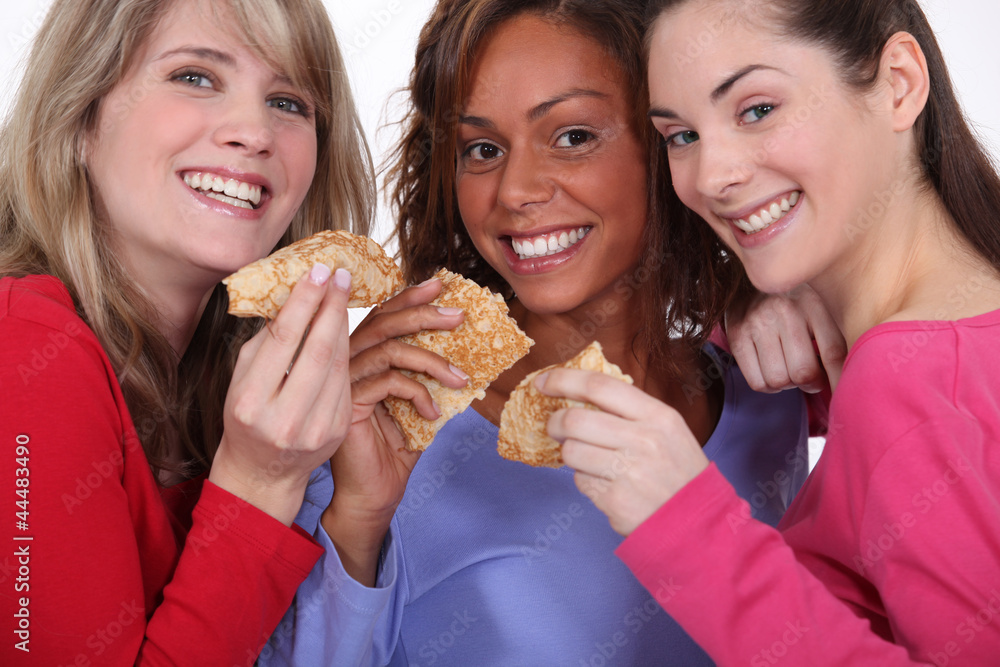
(378, 39)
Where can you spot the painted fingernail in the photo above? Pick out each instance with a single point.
(342, 279)
(449, 312)
(319, 274)
(458, 372)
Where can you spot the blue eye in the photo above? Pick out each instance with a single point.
(682, 138)
(573, 138)
(755, 113)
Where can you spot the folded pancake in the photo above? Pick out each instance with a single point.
(260, 289)
(523, 434)
(484, 345)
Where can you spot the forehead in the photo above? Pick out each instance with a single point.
(216, 25)
(529, 57)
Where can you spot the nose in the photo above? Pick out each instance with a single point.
(722, 166)
(246, 127)
(526, 180)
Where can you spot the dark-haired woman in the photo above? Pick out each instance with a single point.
(525, 166)
(822, 141)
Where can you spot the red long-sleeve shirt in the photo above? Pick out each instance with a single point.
(889, 555)
(98, 564)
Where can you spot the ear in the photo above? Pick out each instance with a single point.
(905, 68)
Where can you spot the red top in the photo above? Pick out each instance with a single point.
(890, 554)
(98, 564)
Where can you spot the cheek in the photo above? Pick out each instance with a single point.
(475, 195)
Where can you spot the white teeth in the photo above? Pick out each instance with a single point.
(767, 216)
(229, 200)
(543, 246)
(229, 190)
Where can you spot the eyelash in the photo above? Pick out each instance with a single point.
(756, 107)
(467, 153)
(190, 73)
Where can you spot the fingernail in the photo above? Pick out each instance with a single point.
(342, 279)
(541, 380)
(458, 372)
(449, 312)
(319, 274)
(427, 282)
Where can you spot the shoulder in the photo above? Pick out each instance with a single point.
(41, 300)
(44, 337)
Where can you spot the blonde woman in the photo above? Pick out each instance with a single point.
(156, 449)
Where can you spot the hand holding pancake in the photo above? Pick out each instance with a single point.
(631, 455)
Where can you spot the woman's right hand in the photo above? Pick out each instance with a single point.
(371, 468)
(282, 420)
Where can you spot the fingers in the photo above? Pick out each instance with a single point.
(406, 313)
(830, 342)
(279, 341)
(371, 390)
(393, 354)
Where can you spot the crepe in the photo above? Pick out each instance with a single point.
(484, 345)
(260, 289)
(523, 435)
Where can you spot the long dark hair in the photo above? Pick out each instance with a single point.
(680, 278)
(855, 32)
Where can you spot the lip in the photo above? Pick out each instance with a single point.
(764, 236)
(537, 265)
(229, 173)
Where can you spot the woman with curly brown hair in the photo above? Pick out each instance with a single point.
(525, 165)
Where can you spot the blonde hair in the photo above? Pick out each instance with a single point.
(48, 219)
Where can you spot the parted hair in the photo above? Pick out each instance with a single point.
(680, 276)
(952, 159)
(49, 222)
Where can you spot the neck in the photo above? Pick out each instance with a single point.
(909, 265)
(178, 306)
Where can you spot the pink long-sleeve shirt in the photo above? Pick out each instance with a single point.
(890, 554)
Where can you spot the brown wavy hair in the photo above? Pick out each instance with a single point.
(953, 160)
(49, 223)
(687, 266)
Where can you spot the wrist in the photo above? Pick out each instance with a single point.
(279, 498)
(358, 538)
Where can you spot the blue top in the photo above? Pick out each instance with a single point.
(493, 562)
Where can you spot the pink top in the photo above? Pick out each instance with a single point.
(890, 554)
(99, 564)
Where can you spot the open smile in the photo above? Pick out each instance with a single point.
(544, 245)
(767, 215)
(226, 190)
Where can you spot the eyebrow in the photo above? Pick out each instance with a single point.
(717, 94)
(538, 110)
(200, 52)
(214, 55)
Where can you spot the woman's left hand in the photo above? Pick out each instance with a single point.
(630, 456)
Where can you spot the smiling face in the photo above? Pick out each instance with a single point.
(767, 144)
(202, 153)
(551, 176)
